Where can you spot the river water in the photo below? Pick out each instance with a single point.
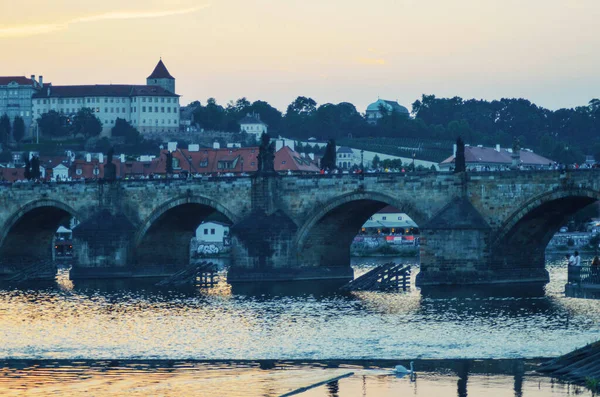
(61, 324)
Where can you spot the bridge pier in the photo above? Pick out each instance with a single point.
(263, 249)
(457, 249)
(102, 246)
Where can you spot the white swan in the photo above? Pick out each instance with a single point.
(401, 369)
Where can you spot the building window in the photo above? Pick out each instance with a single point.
(156, 109)
(162, 100)
(162, 109)
(79, 171)
(143, 108)
(155, 99)
(205, 231)
(212, 231)
(204, 163)
(399, 218)
(123, 110)
(150, 109)
(384, 218)
(105, 100)
(168, 110)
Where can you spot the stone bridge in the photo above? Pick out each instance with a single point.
(475, 227)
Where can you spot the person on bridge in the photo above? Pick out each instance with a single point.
(569, 261)
(596, 261)
(572, 260)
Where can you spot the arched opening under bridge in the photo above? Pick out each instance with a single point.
(27, 240)
(369, 223)
(524, 238)
(166, 237)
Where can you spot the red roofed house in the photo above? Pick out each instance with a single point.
(230, 160)
(493, 159)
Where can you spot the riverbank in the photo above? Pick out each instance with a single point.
(372, 378)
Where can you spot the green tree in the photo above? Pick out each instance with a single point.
(53, 124)
(4, 130)
(328, 162)
(125, 130)
(376, 161)
(18, 128)
(299, 117)
(86, 123)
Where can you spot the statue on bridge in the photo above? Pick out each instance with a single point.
(459, 159)
(110, 170)
(266, 155)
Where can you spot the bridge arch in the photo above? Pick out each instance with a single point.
(26, 237)
(163, 238)
(324, 238)
(522, 239)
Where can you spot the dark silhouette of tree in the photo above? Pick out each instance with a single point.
(18, 128)
(328, 162)
(459, 159)
(86, 123)
(53, 124)
(123, 129)
(4, 130)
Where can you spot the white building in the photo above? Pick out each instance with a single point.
(252, 124)
(60, 172)
(151, 109)
(347, 158)
(212, 232)
(390, 221)
(374, 110)
(15, 98)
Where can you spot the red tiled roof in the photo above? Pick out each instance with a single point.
(12, 174)
(21, 80)
(102, 90)
(287, 159)
(486, 155)
(160, 72)
(87, 169)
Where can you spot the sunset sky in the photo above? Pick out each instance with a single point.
(331, 50)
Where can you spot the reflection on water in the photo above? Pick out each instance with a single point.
(132, 319)
(271, 379)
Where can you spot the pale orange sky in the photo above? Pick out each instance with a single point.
(331, 50)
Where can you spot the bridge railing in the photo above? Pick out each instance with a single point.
(584, 275)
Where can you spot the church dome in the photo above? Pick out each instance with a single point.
(389, 105)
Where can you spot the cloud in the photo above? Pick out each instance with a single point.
(372, 61)
(37, 29)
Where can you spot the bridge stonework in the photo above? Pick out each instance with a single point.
(475, 228)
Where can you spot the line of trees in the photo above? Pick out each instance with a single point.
(17, 130)
(56, 125)
(564, 135)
